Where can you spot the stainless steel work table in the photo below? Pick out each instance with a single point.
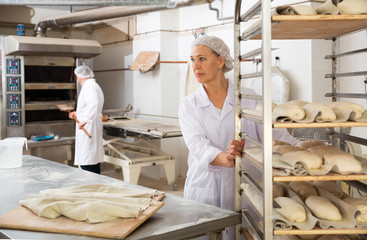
(179, 218)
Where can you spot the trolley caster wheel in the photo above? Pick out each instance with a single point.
(175, 186)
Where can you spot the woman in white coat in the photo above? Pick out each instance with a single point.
(88, 151)
(207, 124)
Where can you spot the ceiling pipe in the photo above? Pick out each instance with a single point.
(100, 3)
(100, 14)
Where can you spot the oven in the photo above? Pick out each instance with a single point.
(37, 74)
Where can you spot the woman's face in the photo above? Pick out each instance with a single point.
(206, 64)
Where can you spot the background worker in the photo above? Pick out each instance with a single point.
(88, 151)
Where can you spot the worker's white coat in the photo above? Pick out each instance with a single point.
(206, 134)
(89, 151)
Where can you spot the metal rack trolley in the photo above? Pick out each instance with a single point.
(284, 27)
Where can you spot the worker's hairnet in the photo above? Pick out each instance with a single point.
(83, 72)
(218, 46)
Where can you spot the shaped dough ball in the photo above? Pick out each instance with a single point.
(304, 145)
(282, 149)
(278, 190)
(361, 205)
(309, 160)
(331, 187)
(343, 162)
(303, 189)
(322, 208)
(291, 209)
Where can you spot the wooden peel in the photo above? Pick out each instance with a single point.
(68, 108)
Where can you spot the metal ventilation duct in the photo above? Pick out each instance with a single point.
(100, 14)
(165, 3)
(25, 46)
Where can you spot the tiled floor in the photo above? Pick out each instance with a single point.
(161, 185)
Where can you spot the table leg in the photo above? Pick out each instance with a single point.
(131, 173)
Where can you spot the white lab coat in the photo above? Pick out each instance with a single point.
(206, 134)
(89, 151)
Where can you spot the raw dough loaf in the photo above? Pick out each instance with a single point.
(304, 145)
(308, 159)
(91, 203)
(353, 7)
(361, 205)
(331, 187)
(303, 189)
(278, 142)
(326, 149)
(292, 109)
(282, 149)
(305, 10)
(278, 190)
(291, 209)
(325, 112)
(322, 208)
(343, 163)
(348, 106)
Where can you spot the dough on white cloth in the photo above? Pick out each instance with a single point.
(325, 149)
(304, 145)
(331, 187)
(322, 208)
(90, 203)
(291, 209)
(286, 237)
(282, 149)
(305, 10)
(308, 159)
(327, 7)
(361, 205)
(343, 163)
(340, 107)
(319, 112)
(293, 110)
(303, 189)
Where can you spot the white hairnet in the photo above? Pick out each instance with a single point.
(83, 72)
(218, 46)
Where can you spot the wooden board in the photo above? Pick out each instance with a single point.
(145, 61)
(315, 26)
(24, 219)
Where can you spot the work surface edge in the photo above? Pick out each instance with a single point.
(179, 218)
